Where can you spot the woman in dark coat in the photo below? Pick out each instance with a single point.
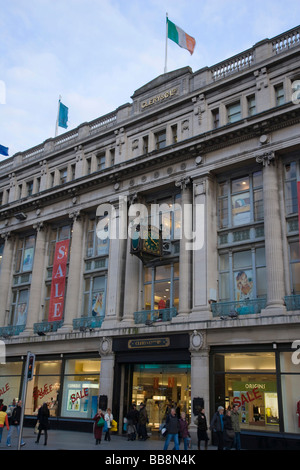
(202, 429)
(98, 429)
(43, 419)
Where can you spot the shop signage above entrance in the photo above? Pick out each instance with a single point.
(148, 343)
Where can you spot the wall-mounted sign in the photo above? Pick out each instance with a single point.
(159, 98)
(148, 343)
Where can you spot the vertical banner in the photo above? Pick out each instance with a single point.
(57, 296)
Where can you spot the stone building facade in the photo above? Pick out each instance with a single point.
(215, 323)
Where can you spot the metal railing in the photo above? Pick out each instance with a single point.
(153, 316)
(12, 330)
(47, 327)
(292, 302)
(235, 308)
(87, 323)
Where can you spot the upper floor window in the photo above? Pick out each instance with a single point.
(240, 200)
(160, 139)
(279, 95)
(242, 274)
(101, 161)
(161, 286)
(291, 200)
(25, 254)
(29, 188)
(251, 105)
(215, 118)
(234, 112)
(1, 253)
(63, 175)
(166, 215)
(95, 245)
(56, 235)
(295, 267)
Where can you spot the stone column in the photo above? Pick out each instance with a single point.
(37, 280)
(199, 374)
(185, 260)
(273, 236)
(115, 276)
(132, 282)
(205, 253)
(73, 298)
(5, 276)
(107, 370)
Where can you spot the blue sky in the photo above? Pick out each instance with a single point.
(96, 53)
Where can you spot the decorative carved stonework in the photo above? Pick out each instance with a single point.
(196, 341)
(105, 346)
(266, 158)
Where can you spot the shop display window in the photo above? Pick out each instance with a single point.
(248, 380)
(290, 387)
(10, 382)
(44, 388)
(81, 388)
(161, 386)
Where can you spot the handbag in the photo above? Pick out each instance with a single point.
(230, 433)
(114, 426)
(101, 422)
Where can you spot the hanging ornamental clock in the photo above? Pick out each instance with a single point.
(146, 242)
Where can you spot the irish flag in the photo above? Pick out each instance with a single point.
(177, 35)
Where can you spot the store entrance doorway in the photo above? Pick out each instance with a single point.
(161, 386)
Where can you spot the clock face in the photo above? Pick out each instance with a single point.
(152, 243)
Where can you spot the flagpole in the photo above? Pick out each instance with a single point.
(56, 127)
(166, 50)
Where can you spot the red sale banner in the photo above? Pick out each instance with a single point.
(57, 296)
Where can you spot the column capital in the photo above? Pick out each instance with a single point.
(184, 182)
(266, 158)
(39, 226)
(75, 215)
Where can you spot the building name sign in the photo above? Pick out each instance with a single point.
(148, 343)
(159, 98)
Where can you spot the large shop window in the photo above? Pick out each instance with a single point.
(161, 386)
(10, 380)
(81, 388)
(248, 380)
(161, 287)
(44, 388)
(290, 385)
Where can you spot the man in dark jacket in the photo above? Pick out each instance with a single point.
(15, 423)
(172, 425)
(217, 426)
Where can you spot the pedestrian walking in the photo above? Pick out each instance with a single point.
(217, 426)
(10, 409)
(3, 420)
(172, 425)
(99, 422)
(202, 429)
(184, 431)
(43, 422)
(228, 431)
(15, 424)
(235, 418)
(108, 419)
(142, 422)
(132, 422)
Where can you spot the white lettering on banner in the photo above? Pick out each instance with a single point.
(56, 304)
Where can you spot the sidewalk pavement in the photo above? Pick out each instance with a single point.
(73, 440)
